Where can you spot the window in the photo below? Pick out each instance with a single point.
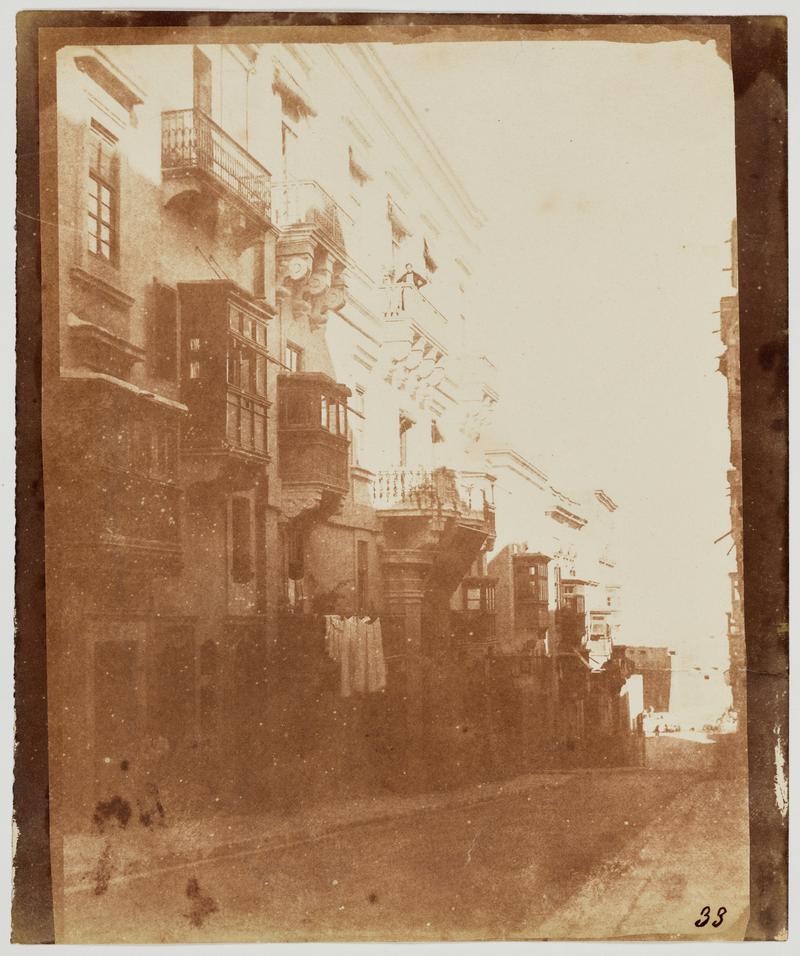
(260, 429)
(405, 424)
(479, 596)
(202, 82)
(165, 333)
(102, 210)
(261, 375)
(247, 369)
(149, 449)
(288, 148)
(473, 599)
(246, 424)
(333, 416)
(295, 553)
(241, 540)
(162, 453)
(537, 582)
(293, 358)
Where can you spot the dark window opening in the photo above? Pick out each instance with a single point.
(362, 576)
(165, 332)
(241, 540)
(202, 82)
(295, 548)
(405, 424)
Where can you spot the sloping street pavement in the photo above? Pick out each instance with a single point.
(586, 854)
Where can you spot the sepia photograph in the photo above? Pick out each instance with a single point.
(396, 513)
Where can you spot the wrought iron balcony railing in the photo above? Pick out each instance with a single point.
(192, 140)
(306, 203)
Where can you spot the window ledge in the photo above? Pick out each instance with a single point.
(110, 78)
(105, 289)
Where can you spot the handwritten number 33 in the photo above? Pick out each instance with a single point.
(705, 915)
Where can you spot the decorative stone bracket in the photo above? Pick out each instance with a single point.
(311, 502)
(416, 368)
(477, 417)
(194, 194)
(314, 284)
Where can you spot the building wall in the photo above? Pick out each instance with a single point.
(220, 632)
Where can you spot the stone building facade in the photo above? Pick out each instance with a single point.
(263, 409)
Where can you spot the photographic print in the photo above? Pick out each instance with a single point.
(401, 499)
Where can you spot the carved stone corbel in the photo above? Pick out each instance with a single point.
(313, 288)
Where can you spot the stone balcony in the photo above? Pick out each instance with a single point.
(304, 207)
(311, 251)
(417, 492)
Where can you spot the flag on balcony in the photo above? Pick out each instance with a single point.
(293, 101)
(430, 262)
(399, 229)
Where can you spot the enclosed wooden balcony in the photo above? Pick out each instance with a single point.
(224, 369)
(313, 444)
(571, 624)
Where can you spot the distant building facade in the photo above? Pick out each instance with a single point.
(654, 664)
(558, 614)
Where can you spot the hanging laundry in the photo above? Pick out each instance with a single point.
(376, 663)
(356, 644)
(359, 654)
(337, 644)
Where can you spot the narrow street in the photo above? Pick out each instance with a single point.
(578, 855)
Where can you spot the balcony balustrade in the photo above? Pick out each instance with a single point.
(407, 302)
(192, 141)
(306, 203)
(440, 490)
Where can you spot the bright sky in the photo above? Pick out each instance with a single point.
(607, 174)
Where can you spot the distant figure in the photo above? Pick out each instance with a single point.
(410, 277)
(410, 280)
